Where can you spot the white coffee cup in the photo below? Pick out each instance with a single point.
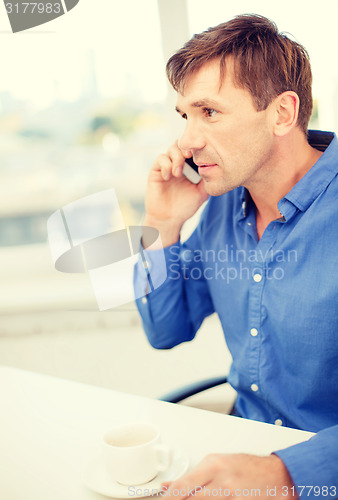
(133, 453)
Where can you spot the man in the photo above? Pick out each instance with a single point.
(264, 255)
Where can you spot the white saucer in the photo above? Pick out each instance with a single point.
(96, 478)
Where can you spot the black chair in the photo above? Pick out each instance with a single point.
(190, 390)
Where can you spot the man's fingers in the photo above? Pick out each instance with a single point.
(191, 484)
(164, 164)
(170, 164)
(177, 160)
(183, 490)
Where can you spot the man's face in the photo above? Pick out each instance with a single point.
(231, 142)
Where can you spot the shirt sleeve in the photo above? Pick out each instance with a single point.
(313, 465)
(173, 311)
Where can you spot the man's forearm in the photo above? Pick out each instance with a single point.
(169, 232)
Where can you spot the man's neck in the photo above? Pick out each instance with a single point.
(292, 161)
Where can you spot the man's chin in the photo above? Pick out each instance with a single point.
(214, 188)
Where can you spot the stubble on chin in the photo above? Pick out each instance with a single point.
(217, 187)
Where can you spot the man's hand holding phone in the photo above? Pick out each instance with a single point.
(171, 198)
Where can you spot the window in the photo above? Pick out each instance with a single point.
(82, 109)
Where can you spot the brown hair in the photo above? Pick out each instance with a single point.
(266, 62)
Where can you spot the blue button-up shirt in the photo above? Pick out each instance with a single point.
(277, 300)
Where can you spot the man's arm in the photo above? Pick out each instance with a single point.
(167, 313)
(173, 312)
(313, 465)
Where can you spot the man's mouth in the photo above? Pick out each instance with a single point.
(204, 167)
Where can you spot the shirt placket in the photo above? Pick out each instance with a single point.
(257, 283)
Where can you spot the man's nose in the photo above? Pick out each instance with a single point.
(191, 139)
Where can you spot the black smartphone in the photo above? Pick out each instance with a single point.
(190, 171)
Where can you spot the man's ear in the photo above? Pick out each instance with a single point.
(286, 112)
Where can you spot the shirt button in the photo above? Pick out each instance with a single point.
(187, 255)
(144, 300)
(254, 332)
(278, 421)
(145, 264)
(249, 224)
(257, 277)
(254, 387)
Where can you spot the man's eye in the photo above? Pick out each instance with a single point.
(210, 113)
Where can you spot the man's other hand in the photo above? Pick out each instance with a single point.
(238, 476)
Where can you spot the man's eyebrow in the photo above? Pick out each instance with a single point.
(203, 103)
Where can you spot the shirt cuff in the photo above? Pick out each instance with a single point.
(154, 267)
(313, 465)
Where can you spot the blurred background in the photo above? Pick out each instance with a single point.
(85, 106)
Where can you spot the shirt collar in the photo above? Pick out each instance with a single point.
(312, 183)
(317, 178)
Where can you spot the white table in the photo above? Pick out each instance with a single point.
(50, 428)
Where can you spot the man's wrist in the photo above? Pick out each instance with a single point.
(281, 471)
(169, 232)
